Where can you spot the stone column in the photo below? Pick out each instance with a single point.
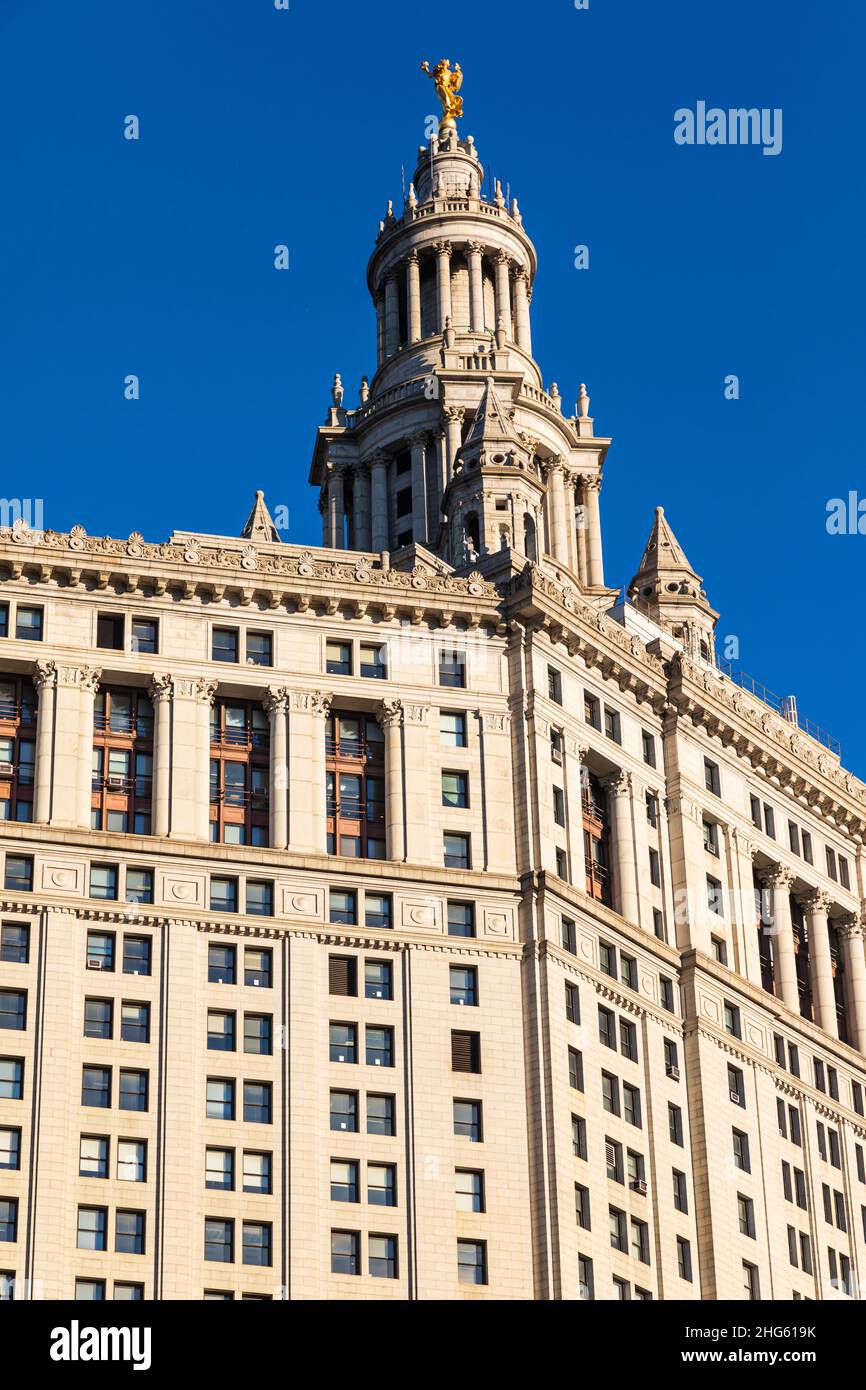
(595, 563)
(569, 480)
(574, 755)
(417, 448)
(337, 507)
(45, 680)
(852, 932)
(454, 426)
(413, 296)
(420, 844)
(160, 692)
(88, 684)
(580, 520)
(276, 704)
(503, 295)
(625, 873)
(443, 264)
(557, 518)
(308, 716)
(325, 515)
(817, 906)
(474, 252)
(361, 506)
(379, 476)
(391, 719)
(392, 314)
(380, 328)
(782, 935)
(743, 918)
(521, 310)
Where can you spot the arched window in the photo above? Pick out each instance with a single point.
(530, 548)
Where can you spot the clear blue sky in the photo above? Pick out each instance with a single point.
(260, 126)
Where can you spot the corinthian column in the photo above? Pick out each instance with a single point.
(392, 315)
(852, 931)
(413, 296)
(443, 265)
(87, 680)
(390, 718)
(557, 519)
(782, 933)
(418, 454)
(817, 906)
(337, 506)
(454, 425)
(361, 507)
(595, 564)
(619, 791)
(379, 477)
(521, 310)
(474, 252)
(160, 692)
(45, 680)
(276, 704)
(503, 296)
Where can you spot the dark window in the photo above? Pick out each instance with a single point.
(343, 907)
(225, 644)
(13, 1009)
(455, 789)
(223, 895)
(374, 661)
(259, 898)
(98, 1018)
(711, 777)
(554, 685)
(257, 1102)
(28, 624)
(471, 1262)
(380, 1114)
(465, 1051)
(109, 631)
(649, 748)
(96, 1087)
(14, 943)
(129, 1232)
(136, 955)
(132, 1090)
(135, 1022)
(260, 649)
(452, 669)
(145, 635)
(456, 851)
(377, 910)
(461, 919)
(221, 964)
(345, 1252)
(19, 873)
(344, 1111)
(378, 979)
(463, 981)
(342, 975)
(467, 1120)
(258, 1029)
(382, 1256)
(343, 1042)
(257, 1243)
(379, 1046)
(219, 1241)
(257, 966)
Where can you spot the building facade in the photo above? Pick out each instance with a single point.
(413, 917)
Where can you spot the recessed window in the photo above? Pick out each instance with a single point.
(132, 1090)
(93, 1156)
(382, 1256)
(220, 1031)
(344, 1111)
(711, 837)
(224, 644)
(559, 806)
(712, 780)
(377, 910)
(373, 659)
(131, 1160)
(452, 669)
(378, 979)
(554, 685)
(471, 1262)
(4, 619)
(219, 1171)
(464, 985)
(715, 896)
(455, 789)
(343, 1042)
(145, 636)
(258, 966)
(257, 1102)
(452, 728)
(91, 1233)
(109, 631)
(338, 658)
(380, 1114)
(221, 964)
(28, 624)
(343, 907)
(103, 881)
(591, 710)
(465, 1051)
(14, 943)
(259, 898)
(379, 1046)
(461, 919)
(98, 1014)
(10, 1148)
(219, 1241)
(139, 885)
(732, 1020)
(345, 1252)
(649, 748)
(260, 649)
(469, 1190)
(344, 1181)
(223, 895)
(96, 1087)
(456, 850)
(467, 1120)
(19, 873)
(381, 1184)
(11, 1078)
(612, 728)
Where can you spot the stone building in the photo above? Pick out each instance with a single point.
(412, 917)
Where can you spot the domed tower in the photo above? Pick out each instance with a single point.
(455, 446)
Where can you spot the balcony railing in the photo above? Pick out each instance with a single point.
(784, 708)
(243, 739)
(123, 724)
(12, 709)
(353, 748)
(353, 808)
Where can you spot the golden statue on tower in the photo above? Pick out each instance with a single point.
(448, 83)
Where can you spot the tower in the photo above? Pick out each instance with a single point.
(455, 446)
(669, 591)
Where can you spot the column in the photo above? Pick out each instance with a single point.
(573, 758)
(521, 310)
(337, 507)
(817, 906)
(380, 328)
(420, 844)
(503, 296)
(580, 528)
(443, 268)
(160, 692)
(474, 252)
(391, 719)
(781, 930)
(325, 515)
(747, 959)
(308, 716)
(619, 792)
(413, 296)
(557, 518)
(595, 564)
(417, 449)
(45, 680)
(379, 477)
(361, 498)
(569, 481)
(454, 433)
(276, 704)
(392, 315)
(852, 932)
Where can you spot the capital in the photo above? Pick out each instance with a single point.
(852, 927)
(160, 687)
(816, 902)
(618, 783)
(45, 675)
(592, 482)
(502, 258)
(443, 248)
(454, 414)
(412, 257)
(475, 248)
(276, 700)
(778, 877)
(390, 714)
(419, 440)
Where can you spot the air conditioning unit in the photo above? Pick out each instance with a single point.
(377, 994)
(673, 1073)
(639, 1185)
(115, 780)
(6, 769)
(378, 1062)
(94, 962)
(610, 1155)
(735, 1097)
(256, 981)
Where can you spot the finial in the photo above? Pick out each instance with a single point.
(412, 199)
(500, 332)
(660, 511)
(364, 393)
(555, 396)
(497, 193)
(389, 215)
(515, 212)
(337, 390)
(447, 83)
(582, 402)
(449, 332)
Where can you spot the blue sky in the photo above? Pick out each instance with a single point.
(260, 127)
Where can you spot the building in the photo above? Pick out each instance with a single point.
(412, 918)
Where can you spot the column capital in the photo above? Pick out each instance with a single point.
(194, 688)
(412, 257)
(276, 699)
(444, 248)
(778, 876)
(377, 460)
(475, 248)
(852, 927)
(390, 714)
(815, 902)
(420, 439)
(592, 482)
(45, 675)
(311, 702)
(521, 274)
(502, 258)
(618, 783)
(160, 687)
(454, 414)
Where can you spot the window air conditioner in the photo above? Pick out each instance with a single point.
(94, 962)
(673, 1072)
(115, 780)
(735, 1097)
(639, 1185)
(6, 769)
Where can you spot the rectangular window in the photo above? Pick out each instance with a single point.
(649, 748)
(746, 1215)
(471, 1262)
(259, 898)
(257, 966)
(631, 1105)
(343, 907)
(732, 1020)
(11, 1078)
(91, 1228)
(220, 1101)
(456, 851)
(109, 631)
(19, 873)
(591, 710)
(260, 649)
(554, 685)
(28, 624)
(131, 1160)
(575, 1069)
(675, 1124)
(467, 1120)
(344, 1111)
(612, 725)
(684, 1258)
(221, 963)
(257, 1034)
(345, 1252)
(741, 1150)
(139, 885)
(219, 1169)
(136, 955)
(681, 1197)
(93, 1156)
(461, 919)
(380, 1114)
(379, 1046)
(606, 1027)
(452, 669)
(103, 881)
(343, 975)
(655, 868)
(452, 728)
(751, 1282)
(145, 636)
(14, 943)
(610, 1093)
(572, 1002)
(224, 644)
(463, 985)
(736, 1086)
(378, 979)
(135, 1022)
(381, 1184)
(343, 1042)
(96, 1087)
(377, 911)
(465, 1051)
(382, 1256)
(98, 1018)
(344, 1180)
(712, 780)
(578, 1137)
(257, 1102)
(455, 790)
(219, 1239)
(256, 1172)
(223, 895)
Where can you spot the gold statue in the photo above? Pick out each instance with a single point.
(448, 84)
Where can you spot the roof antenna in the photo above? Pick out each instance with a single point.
(403, 180)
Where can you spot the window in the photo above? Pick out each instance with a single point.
(769, 821)
(377, 910)
(257, 1034)
(224, 895)
(746, 1215)
(675, 1124)
(719, 949)
(558, 806)
(562, 865)
(378, 979)
(655, 868)
(472, 1262)
(129, 1232)
(681, 1197)
(224, 644)
(732, 1020)
(380, 1114)
(569, 936)
(257, 1172)
(257, 966)
(844, 875)
(613, 1160)
(259, 649)
(379, 1046)
(652, 809)
(109, 631)
(89, 1290)
(556, 745)
(381, 1184)
(374, 661)
(93, 1156)
(649, 748)
(345, 1252)
(98, 1018)
(91, 1228)
(671, 1059)
(343, 907)
(219, 1237)
(257, 1102)
(793, 837)
(616, 1223)
(607, 1027)
(452, 669)
(19, 873)
(343, 1042)
(96, 1087)
(807, 847)
(467, 1120)
(639, 1240)
(220, 1102)
(736, 1086)
(666, 993)
(461, 919)
(684, 1258)
(344, 1111)
(575, 1069)
(585, 1278)
(831, 864)
(135, 1022)
(465, 1051)
(741, 1150)
(28, 624)
(607, 959)
(554, 685)
(578, 1137)
(129, 1291)
(628, 971)
(628, 1040)
(572, 1002)
(711, 777)
(382, 1256)
(145, 636)
(452, 728)
(11, 1078)
(455, 789)
(343, 975)
(344, 1181)
(711, 837)
(464, 984)
(10, 1148)
(456, 851)
(221, 961)
(751, 1282)
(591, 710)
(259, 898)
(14, 943)
(219, 1171)
(715, 898)
(612, 725)
(631, 1104)
(610, 1093)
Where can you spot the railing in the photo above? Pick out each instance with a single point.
(353, 748)
(245, 739)
(778, 705)
(238, 796)
(11, 709)
(123, 724)
(593, 811)
(354, 808)
(137, 785)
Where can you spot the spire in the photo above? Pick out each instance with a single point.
(491, 425)
(671, 593)
(259, 525)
